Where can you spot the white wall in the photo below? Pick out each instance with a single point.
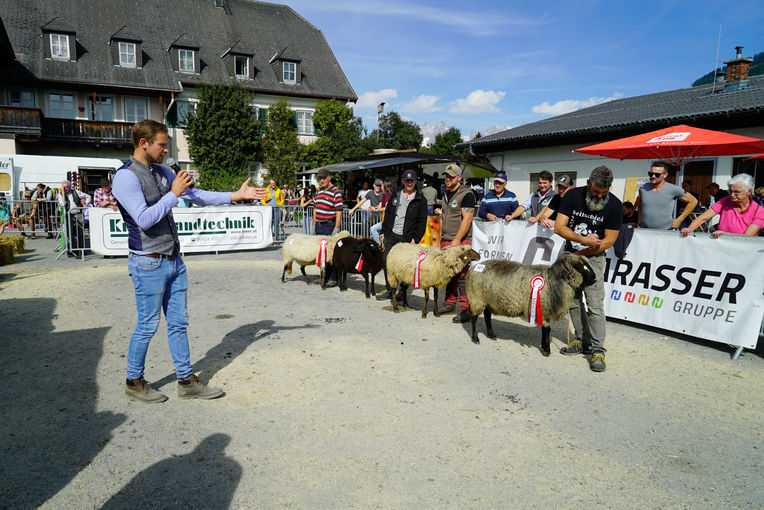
(519, 164)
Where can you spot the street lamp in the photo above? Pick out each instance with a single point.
(380, 109)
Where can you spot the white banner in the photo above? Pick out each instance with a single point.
(704, 287)
(200, 229)
(518, 241)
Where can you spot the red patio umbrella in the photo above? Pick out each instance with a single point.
(677, 145)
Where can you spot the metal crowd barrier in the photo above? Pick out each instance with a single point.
(45, 216)
(76, 233)
(290, 219)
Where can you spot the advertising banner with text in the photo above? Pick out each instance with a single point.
(200, 229)
(704, 287)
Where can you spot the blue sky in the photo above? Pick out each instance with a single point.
(485, 63)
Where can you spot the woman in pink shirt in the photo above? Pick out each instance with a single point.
(739, 213)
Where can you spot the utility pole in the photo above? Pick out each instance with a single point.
(380, 109)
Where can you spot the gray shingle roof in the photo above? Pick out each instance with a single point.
(263, 28)
(696, 106)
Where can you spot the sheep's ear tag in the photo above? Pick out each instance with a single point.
(586, 268)
(479, 268)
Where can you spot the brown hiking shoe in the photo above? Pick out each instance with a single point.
(140, 389)
(192, 387)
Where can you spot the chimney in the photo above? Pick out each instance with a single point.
(737, 68)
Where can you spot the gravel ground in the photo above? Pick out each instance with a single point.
(333, 401)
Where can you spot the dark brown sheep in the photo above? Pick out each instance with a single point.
(347, 253)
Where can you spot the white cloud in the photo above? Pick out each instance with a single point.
(372, 99)
(422, 104)
(571, 105)
(478, 101)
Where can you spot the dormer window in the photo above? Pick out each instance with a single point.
(59, 46)
(241, 66)
(186, 60)
(290, 72)
(127, 54)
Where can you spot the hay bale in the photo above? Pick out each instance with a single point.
(17, 242)
(6, 253)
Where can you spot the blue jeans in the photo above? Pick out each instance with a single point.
(375, 230)
(275, 221)
(160, 284)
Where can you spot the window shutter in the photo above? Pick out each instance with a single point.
(262, 118)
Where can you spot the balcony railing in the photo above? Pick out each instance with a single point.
(94, 131)
(31, 122)
(21, 121)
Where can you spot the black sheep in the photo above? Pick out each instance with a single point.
(348, 253)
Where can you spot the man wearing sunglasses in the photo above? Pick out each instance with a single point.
(659, 199)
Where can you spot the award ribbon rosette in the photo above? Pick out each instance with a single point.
(321, 260)
(534, 308)
(417, 270)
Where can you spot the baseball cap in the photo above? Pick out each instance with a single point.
(323, 172)
(565, 180)
(408, 174)
(500, 176)
(452, 170)
(378, 182)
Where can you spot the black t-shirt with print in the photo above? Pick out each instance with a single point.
(583, 222)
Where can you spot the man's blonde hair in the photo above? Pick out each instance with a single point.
(147, 129)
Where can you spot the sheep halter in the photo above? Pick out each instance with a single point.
(417, 270)
(359, 264)
(321, 262)
(534, 308)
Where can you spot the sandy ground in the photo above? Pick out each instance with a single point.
(333, 401)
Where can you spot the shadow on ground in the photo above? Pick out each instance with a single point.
(232, 346)
(50, 429)
(204, 478)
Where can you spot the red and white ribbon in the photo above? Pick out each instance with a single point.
(359, 264)
(534, 307)
(418, 268)
(321, 260)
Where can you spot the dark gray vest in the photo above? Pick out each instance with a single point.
(162, 237)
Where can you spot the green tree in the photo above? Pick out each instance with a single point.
(280, 144)
(222, 136)
(395, 133)
(339, 133)
(444, 142)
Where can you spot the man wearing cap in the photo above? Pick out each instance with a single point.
(548, 214)
(457, 211)
(538, 199)
(328, 205)
(499, 203)
(370, 200)
(405, 219)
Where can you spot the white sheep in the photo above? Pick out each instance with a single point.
(504, 288)
(303, 249)
(438, 267)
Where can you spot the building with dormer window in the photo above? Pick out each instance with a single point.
(78, 74)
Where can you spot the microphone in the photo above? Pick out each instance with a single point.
(175, 167)
(172, 164)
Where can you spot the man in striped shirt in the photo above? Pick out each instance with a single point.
(500, 203)
(327, 214)
(328, 206)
